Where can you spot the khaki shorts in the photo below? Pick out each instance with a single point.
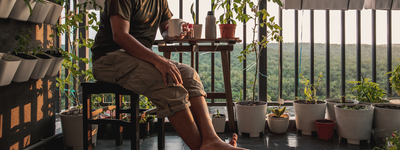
(143, 78)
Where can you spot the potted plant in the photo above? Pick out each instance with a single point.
(354, 122)
(6, 7)
(330, 106)
(278, 120)
(8, 67)
(386, 118)
(395, 81)
(28, 62)
(42, 64)
(392, 142)
(23, 9)
(40, 12)
(227, 25)
(56, 62)
(251, 114)
(310, 109)
(54, 13)
(368, 92)
(196, 27)
(218, 121)
(325, 128)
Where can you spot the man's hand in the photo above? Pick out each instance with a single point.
(166, 67)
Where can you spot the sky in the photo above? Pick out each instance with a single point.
(304, 23)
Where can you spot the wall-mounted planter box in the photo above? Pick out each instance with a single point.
(54, 13)
(21, 10)
(291, 4)
(90, 4)
(55, 63)
(356, 4)
(325, 4)
(26, 67)
(8, 67)
(40, 12)
(41, 66)
(6, 7)
(378, 4)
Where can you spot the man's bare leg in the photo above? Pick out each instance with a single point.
(184, 124)
(209, 139)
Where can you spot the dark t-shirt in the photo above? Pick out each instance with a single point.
(144, 16)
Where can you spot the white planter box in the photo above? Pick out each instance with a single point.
(41, 67)
(325, 4)
(21, 10)
(356, 4)
(54, 13)
(387, 119)
(25, 69)
(54, 66)
(378, 4)
(6, 7)
(8, 67)
(90, 6)
(219, 123)
(251, 119)
(305, 115)
(40, 12)
(291, 4)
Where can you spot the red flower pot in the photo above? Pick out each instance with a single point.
(227, 30)
(325, 128)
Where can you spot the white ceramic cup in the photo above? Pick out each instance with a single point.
(175, 27)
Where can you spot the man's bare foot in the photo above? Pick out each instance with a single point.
(218, 145)
(233, 140)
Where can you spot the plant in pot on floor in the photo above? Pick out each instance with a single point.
(251, 114)
(218, 121)
(310, 109)
(354, 122)
(227, 25)
(368, 92)
(278, 120)
(392, 142)
(330, 103)
(395, 81)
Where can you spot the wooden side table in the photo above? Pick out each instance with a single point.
(214, 45)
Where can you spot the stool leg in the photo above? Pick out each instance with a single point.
(135, 122)
(161, 133)
(119, 129)
(87, 128)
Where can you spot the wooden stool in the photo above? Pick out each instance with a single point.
(89, 88)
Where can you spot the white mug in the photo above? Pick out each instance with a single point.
(175, 27)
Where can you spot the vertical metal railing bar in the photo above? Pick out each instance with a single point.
(373, 18)
(311, 47)
(280, 53)
(389, 49)
(181, 17)
(76, 52)
(197, 22)
(296, 52)
(67, 49)
(262, 81)
(343, 53)
(83, 51)
(358, 48)
(327, 54)
(212, 69)
(58, 42)
(245, 60)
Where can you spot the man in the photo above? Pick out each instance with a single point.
(122, 54)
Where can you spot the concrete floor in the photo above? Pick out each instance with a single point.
(288, 141)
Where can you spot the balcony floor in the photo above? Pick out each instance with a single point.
(290, 140)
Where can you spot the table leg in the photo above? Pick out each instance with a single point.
(228, 90)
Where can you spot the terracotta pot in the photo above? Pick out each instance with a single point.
(325, 128)
(227, 30)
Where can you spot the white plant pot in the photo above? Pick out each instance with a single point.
(387, 119)
(251, 119)
(21, 10)
(72, 131)
(219, 123)
(54, 13)
(8, 67)
(356, 4)
(291, 4)
(54, 66)
(25, 69)
(354, 125)
(6, 7)
(330, 107)
(41, 67)
(325, 4)
(378, 4)
(278, 125)
(40, 12)
(90, 6)
(305, 115)
(197, 30)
